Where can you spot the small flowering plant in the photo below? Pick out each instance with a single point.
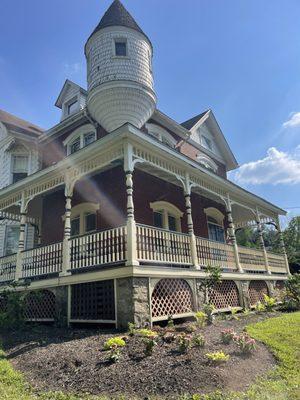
(227, 335)
(185, 342)
(245, 343)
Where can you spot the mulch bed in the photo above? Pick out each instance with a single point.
(73, 361)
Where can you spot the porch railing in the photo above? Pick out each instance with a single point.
(215, 254)
(8, 268)
(251, 259)
(276, 262)
(98, 248)
(42, 260)
(162, 246)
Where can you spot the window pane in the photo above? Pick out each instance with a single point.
(75, 226)
(158, 219)
(206, 142)
(90, 222)
(72, 107)
(89, 138)
(172, 223)
(75, 146)
(11, 240)
(20, 164)
(216, 233)
(120, 49)
(18, 176)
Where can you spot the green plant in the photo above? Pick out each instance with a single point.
(114, 354)
(227, 335)
(131, 328)
(217, 357)
(245, 343)
(191, 328)
(201, 318)
(209, 310)
(150, 343)
(170, 323)
(212, 276)
(234, 311)
(13, 304)
(145, 333)
(246, 312)
(199, 341)
(292, 287)
(114, 342)
(185, 342)
(269, 302)
(260, 307)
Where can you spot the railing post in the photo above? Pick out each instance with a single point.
(282, 246)
(131, 251)
(231, 232)
(190, 224)
(21, 245)
(262, 242)
(66, 249)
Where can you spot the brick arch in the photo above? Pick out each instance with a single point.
(171, 297)
(40, 305)
(225, 294)
(257, 289)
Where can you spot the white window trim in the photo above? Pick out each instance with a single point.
(79, 133)
(217, 215)
(68, 103)
(81, 210)
(207, 162)
(21, 154)
(160, 133)
(120, 39)
(168, 209)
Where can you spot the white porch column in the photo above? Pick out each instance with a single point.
(131, 251)
(21, 245)
(190, 224)
(231, 233)
(261, 241)
(66, 257)
(282, 246)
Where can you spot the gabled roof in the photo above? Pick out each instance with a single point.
(19, 125)
(67, 85)
(117, 15)
(207, 116)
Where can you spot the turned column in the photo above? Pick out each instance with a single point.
(21, 244)
(282, 246)
(66, 249)
(131, 251)
(261, 241)
(231, 234)
(190, 225)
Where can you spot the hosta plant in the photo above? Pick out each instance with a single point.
(227, 335)
(245, 343)
(185, 342)
(269, 302)
(217, 357)
(199, 341)
(114, 342)
(201, 318)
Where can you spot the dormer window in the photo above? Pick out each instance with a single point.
(89, 138)
(75, 145)
(206, 142)
(80, 138)
(120, 48)
(19, 167)
(72, 107)
(161, 134)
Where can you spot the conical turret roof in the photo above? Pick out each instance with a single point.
(117, 15)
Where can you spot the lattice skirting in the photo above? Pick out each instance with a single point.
(171, 297)
(93, 301)
(225, 294)
(257, 289)
(40, 305)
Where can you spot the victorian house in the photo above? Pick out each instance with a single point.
(114, 213)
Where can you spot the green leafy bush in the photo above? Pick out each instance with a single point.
(269, 302)
(199, 341)
(217, 357)
(150, 343)
(170, 323)
(191, 328)
(201, 318)
(114, 342)
(227, 335)
(292, 287)
(114, 354)
(145, 333)
(131, 328)
(260, 307)
(245, 343)
(209, 310)
(185, 342)
(234, 311)
(13, 307)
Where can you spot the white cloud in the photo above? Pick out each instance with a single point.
(293, 121)
(277, 167)
(72, 68)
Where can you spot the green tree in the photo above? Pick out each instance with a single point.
(291, 236)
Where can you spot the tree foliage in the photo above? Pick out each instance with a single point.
(291, 236)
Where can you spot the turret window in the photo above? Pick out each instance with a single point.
(120, 48)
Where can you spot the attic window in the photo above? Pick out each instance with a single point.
(72, 107)
(120, 48)
(206, 142)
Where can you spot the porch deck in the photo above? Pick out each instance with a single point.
(154, 247)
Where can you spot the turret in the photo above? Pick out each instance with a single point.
(119, 71)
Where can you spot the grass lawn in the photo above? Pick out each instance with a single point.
(281, 335)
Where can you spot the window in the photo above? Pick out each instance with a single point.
(206, 142)
(215, 224)
(72, 107)
(75, 146)
(90, 222)
(83, 218)
(207, 162)
(75, 226)
(120, 48)
(11, 240)
(166, 216)
(19, 167)
(80, 138)
(161, 134)
(89, 138)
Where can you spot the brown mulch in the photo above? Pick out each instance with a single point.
(73, 361)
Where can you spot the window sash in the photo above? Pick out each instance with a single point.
(11, 240)
(216, 232)
(89, 138)
(72, 107)
(19, 164)
(120, 48)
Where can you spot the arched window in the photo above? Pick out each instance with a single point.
(166, 216)
(215, 224)
(161, 134)
(207, 162)
(84, 218)
(80, 138)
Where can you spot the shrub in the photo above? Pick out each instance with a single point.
(246, 312)
(269, 302)
(13, 307)
(191, 328)
(185, 342)
(169, 337)
(150, 343)
(170, 323)
(234, 311)
(131, 328)
(199, 341)
(245, 343)
(114, 354)
(292, 287)
(114, 342)
(145, 333)
(227, 335)
(201, 318)
(217, 357)
(208, 310)
(259, 307)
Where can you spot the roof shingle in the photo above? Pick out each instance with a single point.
(19, 125)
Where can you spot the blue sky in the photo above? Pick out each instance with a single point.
(241, 58)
